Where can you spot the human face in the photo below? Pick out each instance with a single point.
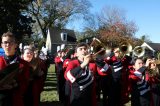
(59, 54)
(138, 64)
(153, 65)
(117, 52)
(28, 55)
(63, 54)
(81, 51)
(9, 46)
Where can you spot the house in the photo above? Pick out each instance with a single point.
(151, 48)
(60, 38)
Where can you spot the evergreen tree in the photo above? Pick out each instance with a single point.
(14, 19)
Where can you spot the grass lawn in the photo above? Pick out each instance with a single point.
(49, 96)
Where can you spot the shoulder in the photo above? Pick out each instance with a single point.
(24, 63)
(66, 60)
(74, 61)
(2, 60)
(130, 67)
(92, 64)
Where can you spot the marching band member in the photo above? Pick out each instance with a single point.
(60, 74)
(140, 89)
(70, 55)
(14, 91)
(154, 82)
(102, 82)
(37, 78)
(80, 73)
(118, 94)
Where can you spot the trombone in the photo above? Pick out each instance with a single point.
(98, 47)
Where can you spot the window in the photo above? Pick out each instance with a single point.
(64, 36)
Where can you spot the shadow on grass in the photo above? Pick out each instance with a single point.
(49, 96)
(50, 85)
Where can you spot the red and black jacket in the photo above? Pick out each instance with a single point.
(22, 80)
(82, 80)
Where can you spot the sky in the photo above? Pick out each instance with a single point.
(144, 13)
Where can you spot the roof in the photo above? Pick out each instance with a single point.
(155, 46)
(87, 39)
(152, 46)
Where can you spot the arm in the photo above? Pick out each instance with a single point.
(136, 75)
(102, 67)
(73, 71)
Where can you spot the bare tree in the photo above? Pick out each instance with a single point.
(113, 26)
(57, 13)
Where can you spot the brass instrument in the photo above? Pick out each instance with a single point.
(157, 62)
(139, 51)
(125, 48)
(96, 46)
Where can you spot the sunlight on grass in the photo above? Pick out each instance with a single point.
(50, 91)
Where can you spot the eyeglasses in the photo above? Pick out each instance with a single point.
(7, 42)
(29, 53)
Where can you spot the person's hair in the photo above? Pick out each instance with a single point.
(69, 53)
(37, 50)
(11, 35)
(29, 47)
(134, 59)
(81, 44)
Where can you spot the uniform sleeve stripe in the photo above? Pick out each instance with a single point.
(70, 77)
(117, 69)
(105, 68)
(138, 74)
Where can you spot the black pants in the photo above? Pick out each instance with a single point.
(115, 93)
(140, 100)
(105, 87)
(28, 96)
(155, 93)
(6, 101)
